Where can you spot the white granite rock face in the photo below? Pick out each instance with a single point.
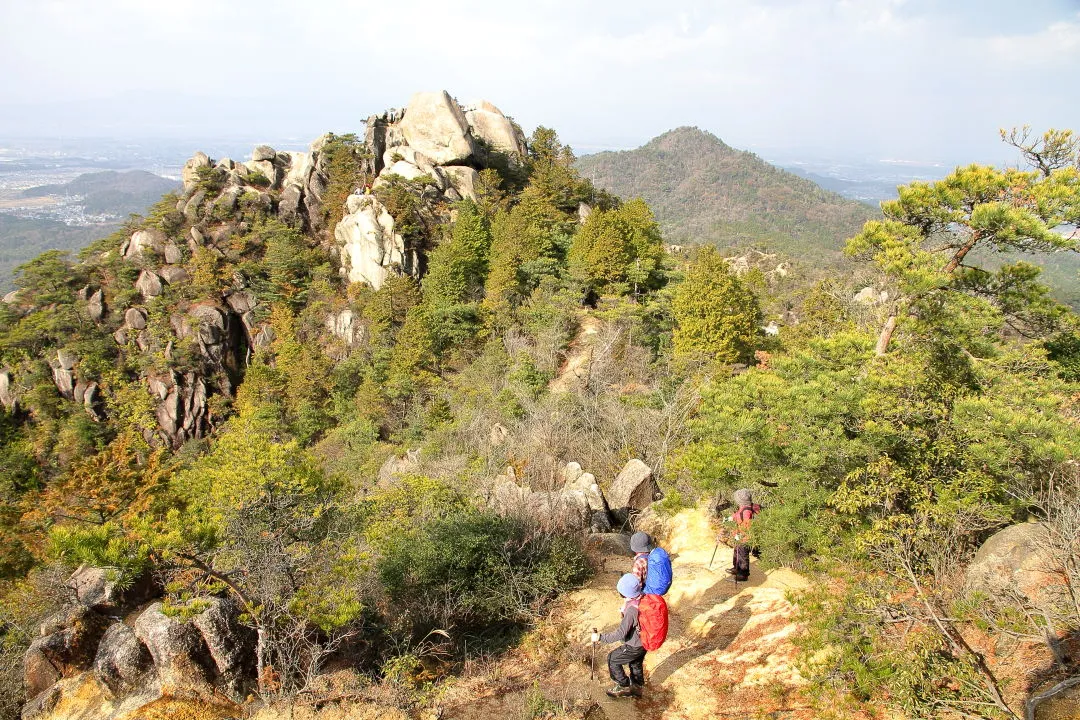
(463, 179)
(370, 249)
(190, 173)
(435, 125)
(489, 124)
(142, 240)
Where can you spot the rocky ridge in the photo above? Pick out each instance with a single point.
(434, 140)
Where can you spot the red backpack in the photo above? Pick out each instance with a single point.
(653, 621)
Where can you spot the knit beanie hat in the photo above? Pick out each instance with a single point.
(743, 498)
(629, 586)
(640, 542)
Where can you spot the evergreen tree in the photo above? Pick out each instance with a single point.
(618, 250)
(928, 242)
(519, 236)
(716, 316)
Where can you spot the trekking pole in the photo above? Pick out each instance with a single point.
(715, 548)
(592, 662)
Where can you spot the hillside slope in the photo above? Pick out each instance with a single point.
(22, 239)
(702, 190)
(111, 192)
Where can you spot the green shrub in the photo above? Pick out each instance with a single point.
(475, 574)
(258, 179)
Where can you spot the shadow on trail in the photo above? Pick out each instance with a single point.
(727, 625)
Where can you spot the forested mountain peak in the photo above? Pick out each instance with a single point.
(703, 190)
(688, 137)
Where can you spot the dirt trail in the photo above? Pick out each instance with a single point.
(728, 652)
(574, 372)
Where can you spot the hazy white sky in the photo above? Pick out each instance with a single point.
(913, 79)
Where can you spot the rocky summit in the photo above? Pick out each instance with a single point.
(434, 140)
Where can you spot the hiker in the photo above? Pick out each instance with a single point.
(652, 566)
(631, 652)
(741, 545)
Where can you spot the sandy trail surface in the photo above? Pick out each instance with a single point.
(728, 654)
(574, 373)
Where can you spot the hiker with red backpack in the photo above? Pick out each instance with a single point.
(741, 543)
(631, 652)
(644, 616)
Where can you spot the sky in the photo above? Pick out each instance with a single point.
(913, 80)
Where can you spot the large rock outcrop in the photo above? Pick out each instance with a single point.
(433, 140)
(100, 589)
(8, 397)
(181, 657)
(1017, 561)
(462, 180)
(290, 184)
(633, 490)
(578, 505)
(182, 410)
(122, 662)
(231, 645)
(490, 125)
(435, 125)
(90, 665)
(370, 248)
(142, 242)
(67, 646)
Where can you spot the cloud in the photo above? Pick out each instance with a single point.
(859, 76)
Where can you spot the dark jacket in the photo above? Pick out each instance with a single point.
(629, 631)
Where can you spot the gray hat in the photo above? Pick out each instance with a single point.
(743, 498)
(640, 542)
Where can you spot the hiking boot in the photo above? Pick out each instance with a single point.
(619, 691)
(636, 691)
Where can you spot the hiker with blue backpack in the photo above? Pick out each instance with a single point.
(644, 616)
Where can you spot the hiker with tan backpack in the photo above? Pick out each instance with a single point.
(738, 536)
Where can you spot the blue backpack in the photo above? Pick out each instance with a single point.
(658, 578)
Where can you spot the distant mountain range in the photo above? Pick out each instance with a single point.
(704, 191)
(104, 200)
(111, 192)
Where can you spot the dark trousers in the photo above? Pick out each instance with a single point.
(627, 655)
(741, 561)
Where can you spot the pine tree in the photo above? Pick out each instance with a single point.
(618, 250)
(928, 245)
(716, 316)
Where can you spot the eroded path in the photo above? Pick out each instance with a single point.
(728, 655)
(574, 372)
